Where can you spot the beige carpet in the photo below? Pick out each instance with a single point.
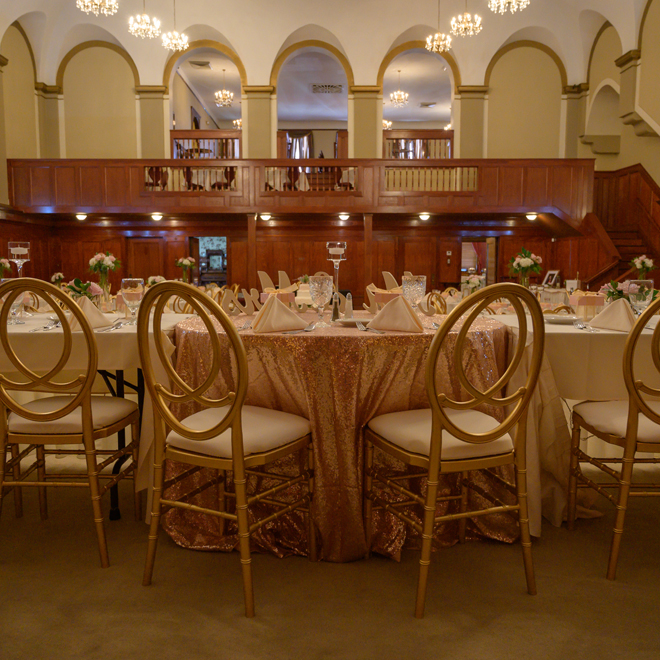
(55, 601)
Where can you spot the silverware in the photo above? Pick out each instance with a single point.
(115, 326)
(309, 328)
(435, 326)
(246, 326)
(360, 326)
(48, 326)
(58, 324)
(581, 325)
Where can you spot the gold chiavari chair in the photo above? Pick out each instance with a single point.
(632, 424)
(225, 435)
(436, 299)
(455, 437)
(451, 291)
(560, 309)
(72, 417)
(180, 306)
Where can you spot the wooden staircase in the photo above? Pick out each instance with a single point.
(630, 244)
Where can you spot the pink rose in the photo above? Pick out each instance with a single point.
(95, 289)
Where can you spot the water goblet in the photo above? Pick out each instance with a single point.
(15, 307)
(414, 289)
(19, 253)
(132, 291)
(640, 294)
(320, 291)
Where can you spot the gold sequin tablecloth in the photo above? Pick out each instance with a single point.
(338, 378)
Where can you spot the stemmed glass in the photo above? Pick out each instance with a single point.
(132, 291)
(15, 307)
(414, 289)
(19, 253)
(640, 294)
(320, 291)
(336, 254)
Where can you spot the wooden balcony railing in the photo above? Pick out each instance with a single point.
(418, 144)
(562, 187)
(209, 145)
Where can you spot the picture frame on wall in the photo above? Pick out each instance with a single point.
(551, 278)
(195, 119)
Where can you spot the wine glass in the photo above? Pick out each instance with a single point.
(640, 294)
(15, 307)
(132, 291)
(19, 253)
(320, 291)
(414, 289)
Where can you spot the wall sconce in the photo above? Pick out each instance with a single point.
(424, 216)
(531, 216)
(265, 216)
(156, 216)
(344, 216)
(81, 216)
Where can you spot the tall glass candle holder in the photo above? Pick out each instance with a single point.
(336, 254)
(19, 253)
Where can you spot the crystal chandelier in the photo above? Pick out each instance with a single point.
(387, 125)
(238, 124)
(173, 40)
(224, 98)
(466, 25)
(142, 26)
(399, 98)
(438, 42)
(96, 7)
(502, 5)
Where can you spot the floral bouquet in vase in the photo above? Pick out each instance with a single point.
(643, 265)
(523, 264)
(79, 289)
(57, 278)
(102, 264)
(186, 264)
(4, 265)
(615, 290)
(155, 279)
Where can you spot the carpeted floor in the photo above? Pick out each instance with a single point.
(55, 601)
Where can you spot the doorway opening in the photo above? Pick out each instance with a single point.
(212, 260)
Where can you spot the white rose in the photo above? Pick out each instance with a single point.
(92, 261)
(108, 262)
(186, 262)
(526, 262)
(648, 262)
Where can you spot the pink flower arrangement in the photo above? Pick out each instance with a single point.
(524, 263)
(4, 265)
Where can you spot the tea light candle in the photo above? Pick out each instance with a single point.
(18, 250)
(337, 250)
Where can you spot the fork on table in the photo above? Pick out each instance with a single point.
(246, 326)
(581, 325)
(360, 326)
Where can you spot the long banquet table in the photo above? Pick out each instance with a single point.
(338, 378)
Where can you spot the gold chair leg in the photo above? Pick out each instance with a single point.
(462, 523)
(525, 537)
(572, 475)
(427, 543)
(137, 495)
(311, 529)
(222, 501)
(3, 467)
(240, 484)
(154, 523)
(622, 505)
(95, 491)
(368, 486)
(18, 492)
(41, 474)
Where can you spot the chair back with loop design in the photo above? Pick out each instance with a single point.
(80, 387)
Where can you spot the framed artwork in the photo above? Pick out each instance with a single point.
(195, 119)
(551, 278)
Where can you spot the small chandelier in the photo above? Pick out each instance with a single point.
(399, 98)
(173, 40)
(387, 125)
(224, 98)
(142, 26)
(466, 25)
(96, 7)
(238, 124)
(502, 5)
(438, 42)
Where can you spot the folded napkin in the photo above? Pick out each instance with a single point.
(397, 289)
(288, 289)
(96, 318)
(397, 315)
(618, 315)
(275, 316)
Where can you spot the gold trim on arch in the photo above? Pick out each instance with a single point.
(19, 27)
(599, 34)
(527, 44)
(205, 43)
(94, 44)
(311, 43)
(410, 45)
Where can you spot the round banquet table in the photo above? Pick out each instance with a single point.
(338, 378)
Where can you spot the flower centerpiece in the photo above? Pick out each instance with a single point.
(643, 265)
(57, 278)
(474, 282)
(155, 279)
(523, 264)
(4, 265)
(615, 290)
(186, 264)
(79, 289)
(102, 264)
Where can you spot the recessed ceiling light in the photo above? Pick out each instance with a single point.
(531, 216)
(81, 216)
(265, 216)
(344, 216)
(156, 216)
(424, 216)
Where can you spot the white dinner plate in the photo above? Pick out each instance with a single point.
(351, 321)
(560, 319)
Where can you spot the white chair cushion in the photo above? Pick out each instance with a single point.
(411, 430)
(106, 411)
(612, 417)
(263, 430)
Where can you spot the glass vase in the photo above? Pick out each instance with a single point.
(184, 276)
(104, 283)
(523, 279)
